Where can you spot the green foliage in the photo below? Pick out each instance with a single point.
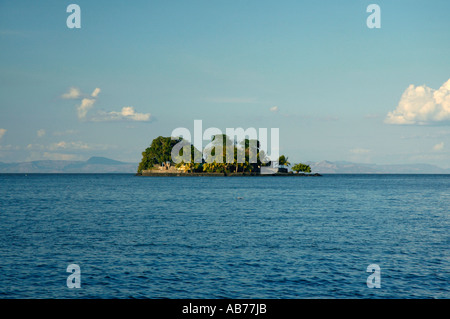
(224, 150)
(193, 153)
(159, 152)
(301, 168)
(283, 161)
(224, 154)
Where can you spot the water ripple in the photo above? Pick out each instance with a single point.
(190, 238)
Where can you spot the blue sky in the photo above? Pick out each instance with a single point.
(313, 69)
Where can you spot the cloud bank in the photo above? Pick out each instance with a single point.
(2, 132)
(84, 107)
(128, 113)
(73, 93)
(88, 101)
(96, 92)
(422, 105)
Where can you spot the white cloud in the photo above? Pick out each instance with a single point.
(422, 105)
(87, 103)
(127, 113)
(96, 92)
(438, 147)
(2, 132)
(274, 109)
(359, 151)
(74, 93)
(40, 133)
(84, 107)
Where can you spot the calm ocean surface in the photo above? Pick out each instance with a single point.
(224, 237)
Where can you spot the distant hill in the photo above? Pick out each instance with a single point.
(92, 165)
(107, 165)
(326, 167)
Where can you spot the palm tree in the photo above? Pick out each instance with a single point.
(283, 161)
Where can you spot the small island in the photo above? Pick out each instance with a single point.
(221, 158)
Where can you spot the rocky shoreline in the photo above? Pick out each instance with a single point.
(226, 174)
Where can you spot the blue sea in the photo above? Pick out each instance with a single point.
(224, 237)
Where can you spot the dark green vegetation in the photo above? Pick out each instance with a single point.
(301, 168)
(222, 155)
(159, 152)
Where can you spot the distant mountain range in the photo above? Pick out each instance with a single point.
(326, 167)
(92, 165)
(106, 165)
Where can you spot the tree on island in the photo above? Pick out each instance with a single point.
(159, 152)
(218, 155)
(225, 156)
(283, 161)
(301, 168)
(222, 155)
(252, 150)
